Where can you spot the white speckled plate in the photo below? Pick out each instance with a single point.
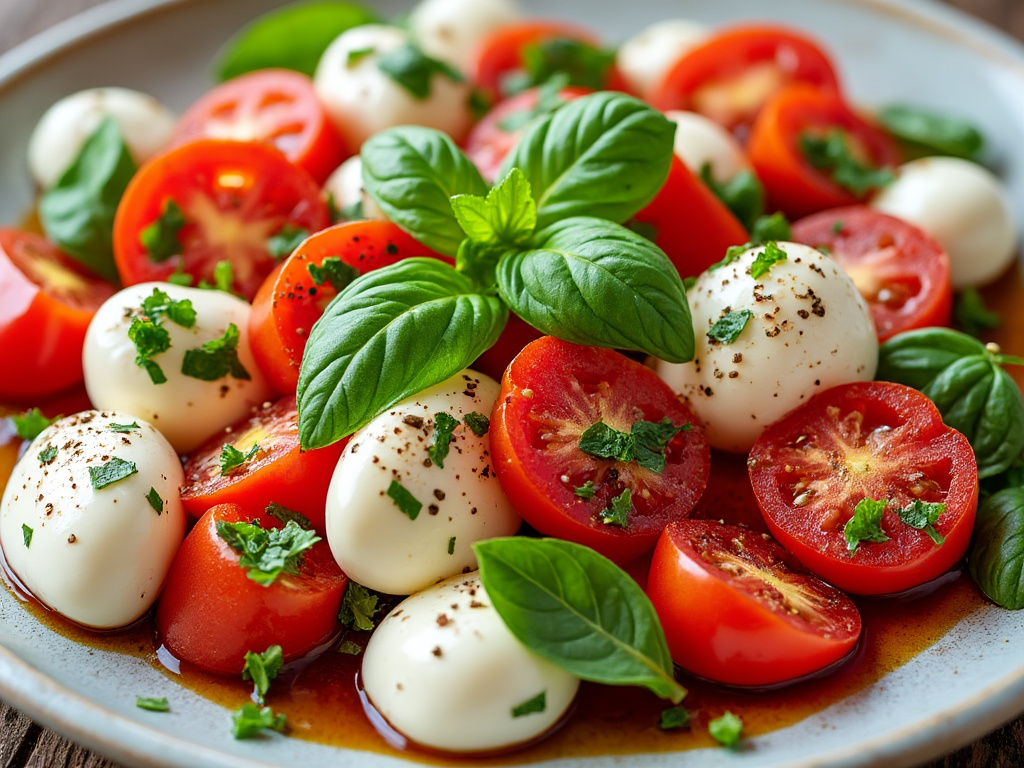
(965, 685)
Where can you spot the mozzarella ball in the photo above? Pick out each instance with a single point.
(451, 30)
(446, 672)
(646, 58)
(146, 126)
(392, 549)
(96, 553)
(345, 187)
(186, 410)
(809, 329)
(362, 99)
(700, 141)
(963, 206)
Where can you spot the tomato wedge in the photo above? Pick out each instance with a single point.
(878, 441)
(555, 397)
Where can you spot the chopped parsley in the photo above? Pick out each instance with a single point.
(231, 458)
(538, 703)
(404, 500)
(48, 454)
(831, 154)
(770, 256)
(155, 501)
(645, 444)
(350, 647)
(923, 515)
(285, 241)
(30, 424)
(837, 227)
(285, 515)
(160, 238)
(451, 546)
(356, 55)
(866, 524)
(674, 718)
(334, 272)
(113, 471)
(120, 428)
(581, 62)
(412, 69)
(261, 668)
(149, 339)
(477, 422)
(726, 730)
(585, 491)
(769, 228)
(26, 535)
(267, 553)
(249, 719)
(223, 278)
(444, 426)
(358, 607)
(151, 704)
(727, 328)
(617, 513)
(216, 359)
(159, 305)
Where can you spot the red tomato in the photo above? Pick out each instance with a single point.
(868, 440)
(551, 394)
(233, 196)
(691, 225)
(901, 272)
(211, 613)
(517, 334)
(289, 302)
(791, 183)
(278, 106)
(279, 472)
(46, 302)
(738, 609)
(732, 74)
(729, 496)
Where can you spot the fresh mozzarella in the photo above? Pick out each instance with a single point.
(963, 206)
(185, 409)
(645, 59)
(809, 330)
(97, 555)
(146, 126)
(700, 141)
(390, 550)
(345, 187)
(451, 30)
(445, 671)
(362, 99)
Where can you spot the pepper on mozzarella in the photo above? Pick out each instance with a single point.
(645, 59)
(452, 30)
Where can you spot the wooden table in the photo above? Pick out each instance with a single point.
(24, 744)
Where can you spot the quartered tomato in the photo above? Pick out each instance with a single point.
(593, 447)
(211, 613)
(278, 106)
(211, 201)
(738, 609)
(902, 273)
(46, 302)
(874, 441)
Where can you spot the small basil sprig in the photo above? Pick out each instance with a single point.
(968, 385)
(931, 133)
(996, 556)
(579, 611)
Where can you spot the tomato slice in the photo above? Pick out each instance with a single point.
(738, 609)
(210, 613)
(732, 74)
(46, 302)
(869, 440)
(278, 106)
(232, 195)
(902, 272)
(555, 391)
(279, 472)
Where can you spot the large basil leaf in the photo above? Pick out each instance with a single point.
(916, 357)
(996, 556)
(579, 611)
(412, 172)
(391, 333)
(604, 155)
(590, 281)
(78, 212)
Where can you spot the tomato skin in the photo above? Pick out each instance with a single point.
(233, 195)
(902, 272)
(550, 394)
(278, 106)
(46, 302)
(745, 629)
(874, 440)
(211, 613)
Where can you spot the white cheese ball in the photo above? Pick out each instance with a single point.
(446, 672)
(373, 540)
(345, 187)
(146, 126)
(809, 330)
(451, 30)
(96, 555)
(963, 206)
(362, 99)
(186, 410)
(646, 58)
(700, 141)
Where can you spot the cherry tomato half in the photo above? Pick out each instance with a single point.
(551, 394)
(46, 302)
(232, 196)
(869, 440)
(901, 272)
(738, 609)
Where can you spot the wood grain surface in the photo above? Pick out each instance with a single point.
(24, 744)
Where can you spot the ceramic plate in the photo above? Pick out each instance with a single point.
(968, 683)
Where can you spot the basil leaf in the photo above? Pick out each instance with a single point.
(359, 607)
(743, 194)
(916, 357)
(589, 281)
(393, 332)
(996, 556)
(31, 423)
(411, 173)
(866, 524)
(261, 668)
(292, 37)
(617, 513)
(579, 611)
(765, 260)
(412, 69)
(507, 215)
(727, 328)
(932, 132)
(77, 214)
(578, 62)
(605, 155)
(972, 315)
